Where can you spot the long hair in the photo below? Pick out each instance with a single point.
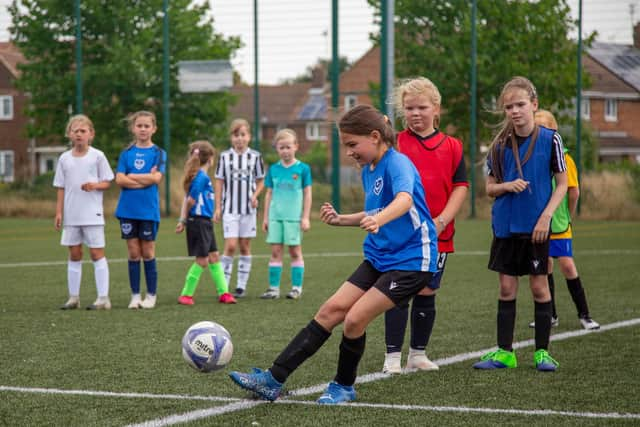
(545, 118)
(200, 152)
(419, 86)
(506, 132)
(364, 119)
(131, 121)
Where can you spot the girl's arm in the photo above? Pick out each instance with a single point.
(267, 203)
(256, 194)
(305, 224)
(183, 215)
(495, 189)
(452, 208)
(125, 181)
(147, 179)
(57, 222)
(541, 230)
(217, 196)
(398, 207)
(96, 186)
(328, 215)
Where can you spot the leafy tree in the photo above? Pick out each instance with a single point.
(122, 44)
(323, 63)
(515, 37)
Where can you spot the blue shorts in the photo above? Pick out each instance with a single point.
(560, 247)
(138, 229)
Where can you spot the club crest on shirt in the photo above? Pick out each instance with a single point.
(126, 228)
(377, 186)
(295, 176)
(138, 164)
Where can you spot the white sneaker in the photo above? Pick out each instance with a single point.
(102, 303)
(418, 361)
(149, 301)
(135, 301)
(73, 302)
(589, 323)
(392, 363)
(554, 323)
(271, 293)
(295, 293)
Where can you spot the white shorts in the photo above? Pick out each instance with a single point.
(90, 235)
(242, 226)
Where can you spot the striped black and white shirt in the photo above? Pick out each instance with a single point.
(239, 173)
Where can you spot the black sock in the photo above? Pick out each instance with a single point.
(300, 348)
(543, 324)
(578, 296)
(395, 326)
(506, 323)
(552, 291)
(351, 351)
(423, 315)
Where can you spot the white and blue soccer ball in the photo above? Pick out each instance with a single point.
(207, 346)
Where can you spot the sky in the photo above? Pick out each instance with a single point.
(293, 34)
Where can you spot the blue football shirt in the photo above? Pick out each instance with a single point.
(201, 191)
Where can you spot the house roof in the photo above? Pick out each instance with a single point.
(278, 104)
(10, 57)
(621, 60)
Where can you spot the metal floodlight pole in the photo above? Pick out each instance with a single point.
(166, 126)
(579, 96)
(78, 18)
(387, 72)
(256, 86)
(474, 103)
(335, 94)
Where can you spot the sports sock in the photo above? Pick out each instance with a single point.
(351, 351)
(217, 274)
(227, 266)
(101, 273)
(578, 296)
(275, 271)
(192, 279)
(543, 324)
(151, 276)
(244, 269)
(134, 276)
(300, 348)
(297, 273)
(74, 277)
(506, 323)
(395, 326)
(552, 291)
(423, 316)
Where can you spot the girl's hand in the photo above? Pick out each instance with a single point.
(328, 214)
(88, 186)
(305, 224)
(254, 202)
(541, 230)
(57, 222)
(369, 224)
(216, 216)
(265, 225)
(517, 186)
(179, 227)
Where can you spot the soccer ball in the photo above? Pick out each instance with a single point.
(207, 346)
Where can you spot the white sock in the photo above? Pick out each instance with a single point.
(74, 277)
(101, 273)
(227, 266)
(244, 269)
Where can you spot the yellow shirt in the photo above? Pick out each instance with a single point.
(572, 182)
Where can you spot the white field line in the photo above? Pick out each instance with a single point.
(588, 252)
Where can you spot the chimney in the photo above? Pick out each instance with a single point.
(636, 35)
(318, 77)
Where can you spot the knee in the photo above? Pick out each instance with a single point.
(354, 326)
(330, 315)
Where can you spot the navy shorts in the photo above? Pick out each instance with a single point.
(519, 256)
(201, 239)
(138, 229)
(399, 286)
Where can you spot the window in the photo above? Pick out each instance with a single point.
(6, 107)
(611, 110)
(350, 101)
(6, 166)
(585, 108)
(315, 131)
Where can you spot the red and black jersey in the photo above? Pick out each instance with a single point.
(439, 159)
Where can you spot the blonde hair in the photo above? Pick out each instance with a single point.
(545, 118)
(200, 152)
(78, 118)
(237, 124)
(506, 129)
(284, 133)
(418, 86)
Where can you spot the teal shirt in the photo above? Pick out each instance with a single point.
(287, 184)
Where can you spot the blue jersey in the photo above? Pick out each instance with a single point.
(201, 191)
(410, 242)
(140, 203)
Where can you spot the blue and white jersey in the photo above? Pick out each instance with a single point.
(410, 242)
(140, 203)
(201, 191)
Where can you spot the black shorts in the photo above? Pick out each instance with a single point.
(399, 286)
(138, 229)
(519, 256)
(201, 240)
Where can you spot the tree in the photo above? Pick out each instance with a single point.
(515, 37)
(321, 63)
(122, 47)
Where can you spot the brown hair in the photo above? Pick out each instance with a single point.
(200, 152)
(364, 119)
(418, 86)
(236, 124)
(132, 117)
(78, 118)
(545, 118)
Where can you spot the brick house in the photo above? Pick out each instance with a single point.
(20, 157)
